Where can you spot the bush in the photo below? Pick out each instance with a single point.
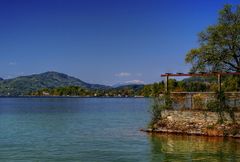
(219, 105)
(213, 105)
(159, 104)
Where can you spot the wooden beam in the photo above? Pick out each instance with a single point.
(199, 74)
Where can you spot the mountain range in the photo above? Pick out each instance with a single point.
(24, 85)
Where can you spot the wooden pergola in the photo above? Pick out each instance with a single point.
(201, 74)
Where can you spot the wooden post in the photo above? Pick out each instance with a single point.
(191, 100)
(219, 83)
(166, 83)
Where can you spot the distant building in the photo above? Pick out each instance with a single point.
(45, 93)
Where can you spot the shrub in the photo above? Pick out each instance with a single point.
(159, 104)
(219, 105)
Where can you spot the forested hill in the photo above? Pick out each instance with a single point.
(59, 84)
(24, 85)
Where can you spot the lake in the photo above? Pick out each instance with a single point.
(96, 129)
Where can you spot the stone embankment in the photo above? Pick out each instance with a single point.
(197, 123)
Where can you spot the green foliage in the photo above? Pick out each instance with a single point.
(167, 100)
(218, 105)
(231, 111)
(156, 110)
(213, 105)
(231, 83)
(123, 91)
(219, 44)
(63, 91)
(159, 104)
(157, 89)
(147, 90)
(172, 84)
(127, 90)
(153, 90)
(210, 127)
(196, 87)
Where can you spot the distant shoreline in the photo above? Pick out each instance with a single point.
(66, 97)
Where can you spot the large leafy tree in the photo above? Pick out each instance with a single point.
(219, 44)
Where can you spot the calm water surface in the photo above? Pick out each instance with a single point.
(96, 129)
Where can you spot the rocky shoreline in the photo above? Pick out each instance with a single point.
(200, 123)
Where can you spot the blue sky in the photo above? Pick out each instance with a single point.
(102, 41)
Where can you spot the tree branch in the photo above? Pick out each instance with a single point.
(232, 65)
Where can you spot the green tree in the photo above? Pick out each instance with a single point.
(219, 44)
(147, 90)
(157, 89)
(231, 83)
(172, 84)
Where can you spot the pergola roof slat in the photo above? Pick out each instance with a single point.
(200, 74)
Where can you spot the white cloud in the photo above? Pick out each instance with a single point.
(134, 82)
(12, 63)
(123, 74)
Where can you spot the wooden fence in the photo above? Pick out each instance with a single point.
(199, 100)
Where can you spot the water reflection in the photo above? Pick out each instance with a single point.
(193, 148)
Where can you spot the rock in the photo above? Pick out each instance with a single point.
(197, 122)
(170, 118)
(146, 130)
(237, 136)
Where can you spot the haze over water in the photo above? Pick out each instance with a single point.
(96, 129)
